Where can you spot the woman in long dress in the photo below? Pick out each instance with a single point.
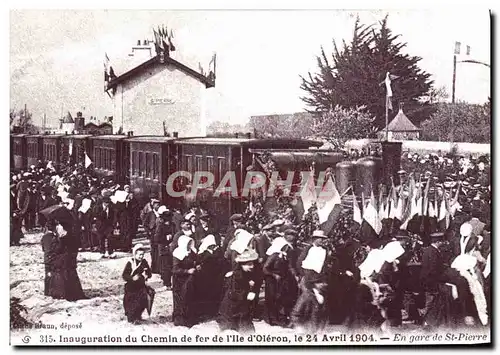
(184, 269)
(136, 272)
(281, 284)
(60, 253)
(210, 278)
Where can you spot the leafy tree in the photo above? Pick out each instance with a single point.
(296, 125)
(472, 123)
(21, 121)
(354, 76)
(341, 124)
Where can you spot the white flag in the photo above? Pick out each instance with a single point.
(388, 84)
(328, 198)
(88, 162)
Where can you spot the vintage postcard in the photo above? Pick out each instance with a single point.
(270, 177)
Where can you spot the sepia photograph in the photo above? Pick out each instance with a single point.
(250, 177)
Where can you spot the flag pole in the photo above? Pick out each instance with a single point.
(386, 118)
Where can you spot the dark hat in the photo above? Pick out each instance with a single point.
(106, 199)
(236, 217)
(153, 196)
(437, 236)
(205, 216)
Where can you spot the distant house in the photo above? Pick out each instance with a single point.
(100, 129)
(400, 129)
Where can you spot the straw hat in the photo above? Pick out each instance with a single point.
(246, 256)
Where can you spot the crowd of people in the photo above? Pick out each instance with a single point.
(307, 281)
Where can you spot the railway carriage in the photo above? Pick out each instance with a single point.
(110, 157)
(19, 153)
(34, 149)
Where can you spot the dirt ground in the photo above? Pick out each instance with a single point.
(102, 313)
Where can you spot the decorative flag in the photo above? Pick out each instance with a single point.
(389, 91)
(370, 216)
(88, 162)
(170, 43)
(329, 205)
(106, 71)
(308, 192)
(212, 67)
(70, 149)
(357, 212)
(457, 47)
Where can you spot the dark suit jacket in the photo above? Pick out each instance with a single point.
(104, 222)
(433, 268)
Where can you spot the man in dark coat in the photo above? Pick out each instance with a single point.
(44, 200)
(149, 214)
(203, 229)
(104, 219)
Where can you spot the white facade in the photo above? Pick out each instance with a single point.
(160, 93)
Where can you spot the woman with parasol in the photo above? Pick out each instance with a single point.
(138, 296)
(61, 277)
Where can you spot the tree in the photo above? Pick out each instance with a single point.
(296, 125)
(355, 75)
(21, 121)
(341, 124)
(472, 123)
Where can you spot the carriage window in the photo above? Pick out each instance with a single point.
(189, 163)
(108, 160)
(141, 164)
(221, 169)
(113, 159)
(199, 163)
(210, 165)
(147, 172)
(134, 163)
(155, 167)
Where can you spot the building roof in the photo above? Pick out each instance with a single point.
(156, 61)
(401, 123)
(68, 118)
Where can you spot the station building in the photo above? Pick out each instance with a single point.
(159, 96)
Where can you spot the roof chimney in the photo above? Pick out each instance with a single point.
(175, 134)
(138, 42)
(249, 135)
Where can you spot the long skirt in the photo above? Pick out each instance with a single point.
(155, 258)
(209, 285)
(235, 315)
(166, 264)
(183, 295)
(135, 300)
(64, 284)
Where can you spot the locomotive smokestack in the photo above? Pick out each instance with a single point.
(391, 160)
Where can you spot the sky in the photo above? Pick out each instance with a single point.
(56, 56)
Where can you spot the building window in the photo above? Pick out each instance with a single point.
(156, 173)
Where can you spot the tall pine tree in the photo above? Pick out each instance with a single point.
(354, 75)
